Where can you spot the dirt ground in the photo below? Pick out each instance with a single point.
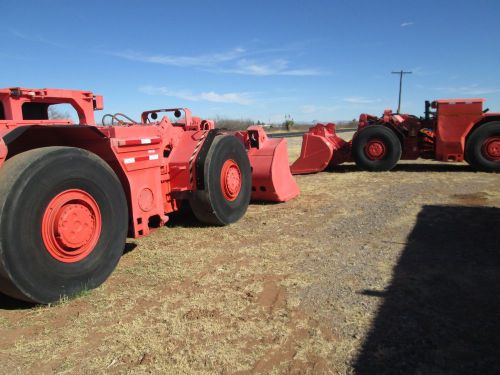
(364, 273)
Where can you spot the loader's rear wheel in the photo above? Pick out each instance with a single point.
(63, 223)
(482, 150)
(227, 183)
(376, 148)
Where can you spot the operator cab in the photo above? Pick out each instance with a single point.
(23, 106)
(49, 111)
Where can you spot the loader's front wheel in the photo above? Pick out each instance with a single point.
(63, 223)
(482, 150)
(227, 183)
(376, 148)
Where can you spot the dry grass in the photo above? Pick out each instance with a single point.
(277, 292)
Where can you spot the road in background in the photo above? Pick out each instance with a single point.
(299, 134)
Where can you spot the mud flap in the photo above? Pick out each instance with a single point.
(321, 147)
(271, 177)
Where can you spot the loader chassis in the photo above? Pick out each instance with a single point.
(457, 130)
(71, 192)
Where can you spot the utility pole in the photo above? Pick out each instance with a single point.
(401, 73)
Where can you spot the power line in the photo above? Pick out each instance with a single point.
(401, 73)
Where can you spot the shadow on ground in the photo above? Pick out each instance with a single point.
(9, 303)
(129, 246)
(441, 313)
(184, 218)
(444, 167)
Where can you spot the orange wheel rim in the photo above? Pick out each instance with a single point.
(491, 148)
(375, 149)
(230, 180)
(71, 226)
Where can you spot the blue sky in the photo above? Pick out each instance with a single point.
(314, 60)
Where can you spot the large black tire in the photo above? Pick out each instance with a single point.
(29, 184)
(480, 151)
(385, 146)
(210, 205)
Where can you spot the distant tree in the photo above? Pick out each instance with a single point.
(232, 124)
(55, 114)
(288, 124)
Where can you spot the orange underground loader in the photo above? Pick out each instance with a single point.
(70, 193)
(452, 130)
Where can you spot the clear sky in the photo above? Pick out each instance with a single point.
(314, 60)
